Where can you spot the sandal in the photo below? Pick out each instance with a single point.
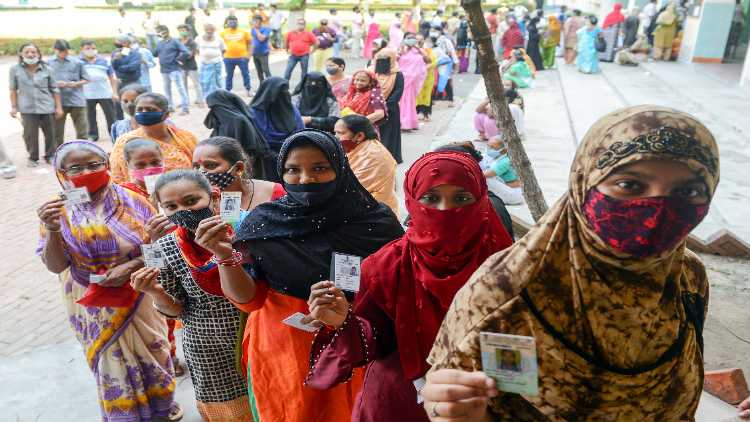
(179, 370)
(175, 413)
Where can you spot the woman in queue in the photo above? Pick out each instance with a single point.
(316, 102)
(94, 246)
(365, 98)
(391, 81)
(603, 284)
(406, 288)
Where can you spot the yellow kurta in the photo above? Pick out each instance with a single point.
(424, 98)
(375, 169)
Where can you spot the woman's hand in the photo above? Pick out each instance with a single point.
(328, 304)
(144, 280)
(212, 235)
(744, 409)
(306, 120)
(158, 226)
(50, 212)
(120, 274)
(457, 396)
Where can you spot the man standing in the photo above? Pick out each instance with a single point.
(261, 48)
(211, 49)
(189, 66)
(262, 13)
(171, 53)
(357, 30)
(70, 77)
(649, 12)
(277, 21)
(101, 89)
(126, 61)
(335, 24)
(124, 26)
(326, 38)
(237, 53)
(190, 22)
(299, 44)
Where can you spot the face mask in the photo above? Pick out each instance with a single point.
(128, 107)
(220, 179)
(493, 153)
(189, 219)
(232, 25)
(90, 53)
(311, 194)
(383, 66)
(184, 34)
(332, 70)
(434, 34)
(301, 27)
(140, 174)
(125, 51)
(149, 118)
(93, 182)
(641, 227)
(410, 42)
(31, 60)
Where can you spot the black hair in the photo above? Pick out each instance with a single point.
(455, 13)
(360, 124)
(258, 18)
(274, 5)
(355, 9)
(513, 84)
(231, 18)
(511, 94)
(576, 12)
(192, 9)
(84, 43)
(61, 45)
(339, 61)
(139, 89)
(593, 19)
(162, 28)
(120, 9)
(161, 101)
(139, 143)
(410, 34)
(464, 147)
(182, 26)
(229, 148)
(332, 11)
(182, 174)
(493, 10)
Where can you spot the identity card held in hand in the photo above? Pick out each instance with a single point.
(511, 361)
(230, 206)
(346, 270)
(153, 256)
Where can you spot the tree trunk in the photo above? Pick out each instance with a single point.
(494, 85)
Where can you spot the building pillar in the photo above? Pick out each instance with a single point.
(706, 36)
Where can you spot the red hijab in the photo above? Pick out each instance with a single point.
(414, 279)
(512, 38)
(614, 17)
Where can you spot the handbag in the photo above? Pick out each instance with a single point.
(600, 44)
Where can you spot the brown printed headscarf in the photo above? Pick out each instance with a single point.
(623, 311)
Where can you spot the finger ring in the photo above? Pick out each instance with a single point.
(433, 411)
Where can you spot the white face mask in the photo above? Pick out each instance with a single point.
(90, 53)
(31, 60)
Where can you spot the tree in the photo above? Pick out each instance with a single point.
(494, 85)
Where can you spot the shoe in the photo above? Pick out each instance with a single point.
(175, 414)
(32, 163)
(8, 172)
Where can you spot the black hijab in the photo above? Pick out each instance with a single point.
(292, 244)
(273, 98)
(314, 91)
(229, 116)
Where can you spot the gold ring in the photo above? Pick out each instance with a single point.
(433, 411)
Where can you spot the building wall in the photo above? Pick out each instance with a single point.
(713, 31)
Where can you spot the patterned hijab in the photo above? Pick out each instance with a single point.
(616, 339)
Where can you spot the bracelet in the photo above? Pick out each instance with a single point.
(233, 261)
(49, 229)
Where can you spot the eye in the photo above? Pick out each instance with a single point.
(169, 207)
(690, 192)
(630, 186)
(463, 198)
(291, 170)
(321, 168)
(191, 201)
(429, 198)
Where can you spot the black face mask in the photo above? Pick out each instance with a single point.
(221, 179)
(190, 219)
(383, 66)
(311, 194)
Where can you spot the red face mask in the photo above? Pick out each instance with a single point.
(641, 227)
(91, 181)
(348, 144)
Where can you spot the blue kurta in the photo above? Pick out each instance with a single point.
(588, 57)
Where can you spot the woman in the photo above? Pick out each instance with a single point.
(144, 159)
(316, 102)
(188, 289)
(373, 33)
(395, 35)
(413, 64)
(486, 124)
(519, 71)
(374, 167)
(665, 32)
(550, 41)
(406, 288)
(335, 68)
(230, 117)
(532, 47)
(630, 27)
(274, 113)
(365, 98)
(151, 113)
(588, 57)
(501, 176)
(288, 246)
(123, 337)
(34, 94)
(570, 31)
(463, 45)
(391, 81)
(615, 306)
(611, 31)
(128, 94)
(424, 98)
(512, 38)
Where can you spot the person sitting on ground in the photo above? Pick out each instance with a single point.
(151, 113)
(316, 102)
(501, 177)
(637, 53)
(485, 121)
(517, 70)
(370, 161)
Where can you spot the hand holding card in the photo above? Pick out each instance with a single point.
(347, 270)
(296, 320)
(328, 304)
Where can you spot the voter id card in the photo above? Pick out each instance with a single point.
(347, 270)
(75, 196)
(295, 320)
(230, 206)
(511, 361)
(97, 278)
(153, 256)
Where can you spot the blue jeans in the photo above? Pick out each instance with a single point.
(210, 76)
(242, 62)
(292, 62)
(337, 46)
(176, 77)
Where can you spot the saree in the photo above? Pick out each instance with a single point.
(424, 98)
(618, 336)
(177, 152)
(126, 348)
(373, 33)
(588, 58)
(341, 87)
(414, 69)
(375, 169)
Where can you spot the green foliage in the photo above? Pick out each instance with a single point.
(10, 46)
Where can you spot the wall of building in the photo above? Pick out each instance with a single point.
(713, 31)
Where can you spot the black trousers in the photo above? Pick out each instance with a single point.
(108, 107)
(261, 66)
(31, 125)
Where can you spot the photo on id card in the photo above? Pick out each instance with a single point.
(511, 361)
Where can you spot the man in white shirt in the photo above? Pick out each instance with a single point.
(649, 12)
(357, 31)
(211, 50)
(124, 27)
(149, 25)
(277, 19)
